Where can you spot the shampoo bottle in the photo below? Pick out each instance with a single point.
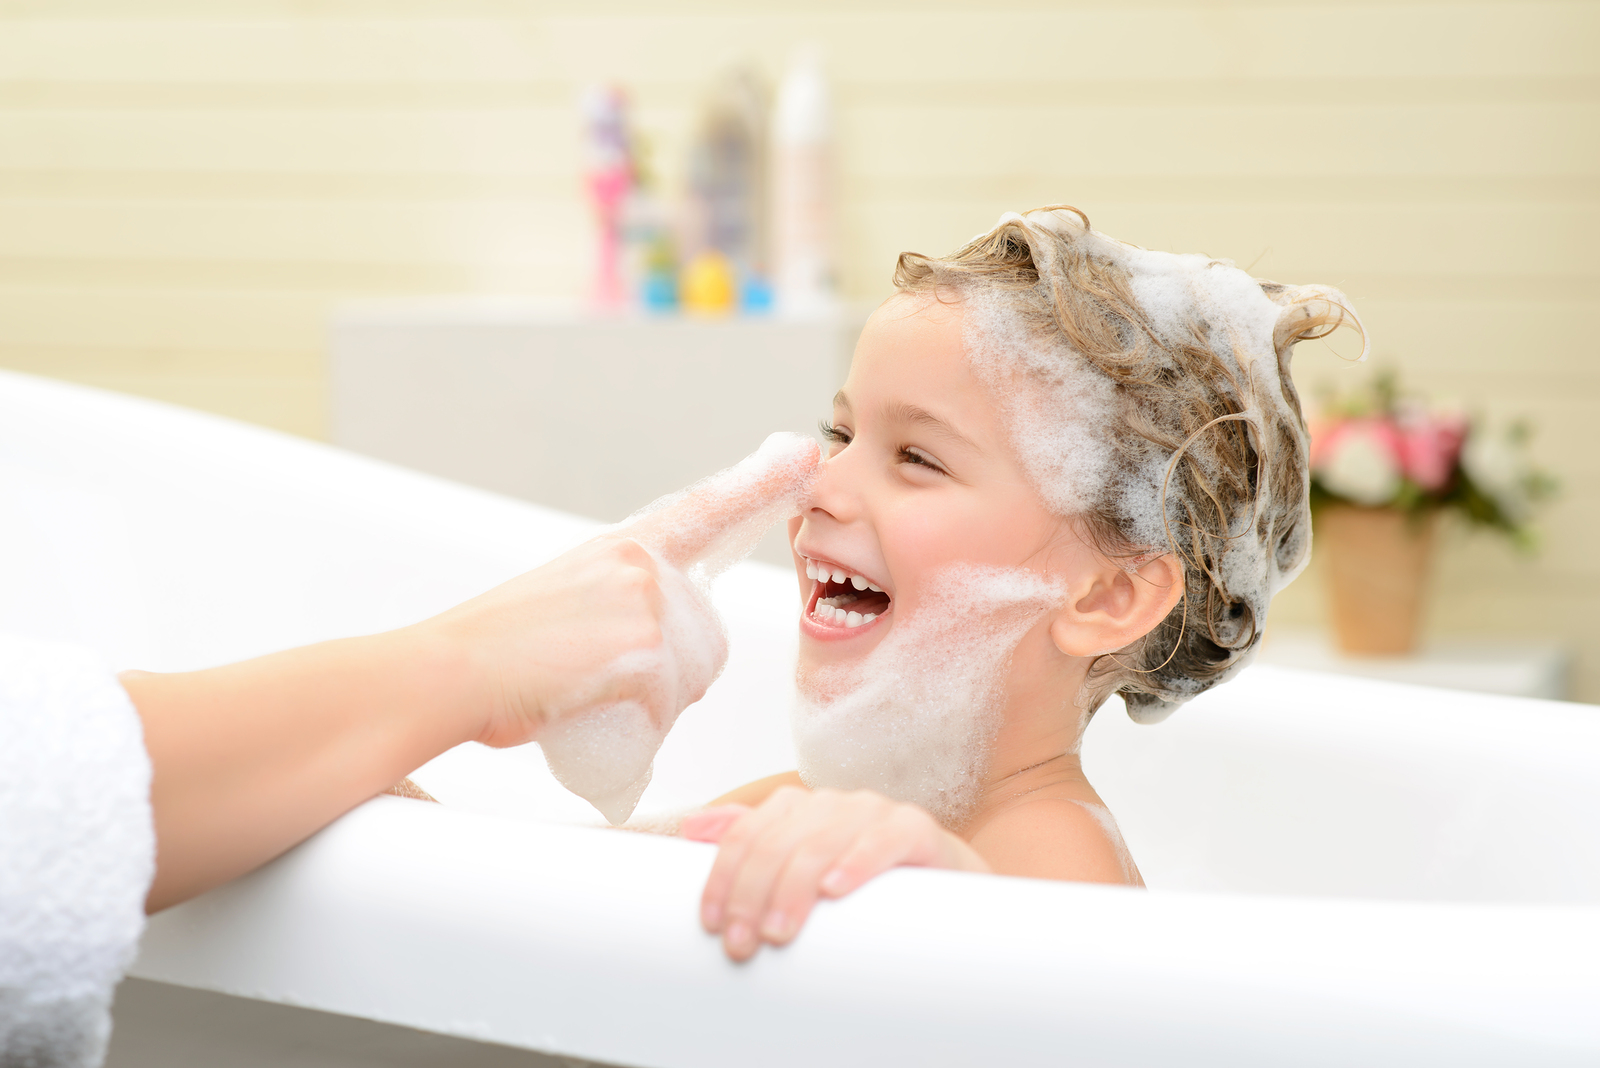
(803, 190)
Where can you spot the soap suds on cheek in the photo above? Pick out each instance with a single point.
(914, 718)
(606, 753)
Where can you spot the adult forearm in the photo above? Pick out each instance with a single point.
(251, 758)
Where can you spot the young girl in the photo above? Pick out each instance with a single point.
(1061, 468)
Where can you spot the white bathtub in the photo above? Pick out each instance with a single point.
(1342, 872)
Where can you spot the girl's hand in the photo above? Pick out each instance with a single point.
(776, 859)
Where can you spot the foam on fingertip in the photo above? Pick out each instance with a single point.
(716, 522)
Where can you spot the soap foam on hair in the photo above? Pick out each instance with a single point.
(1055, 404)
(1069, 418)
(606, 754)
(916, 717)
(1239, 322)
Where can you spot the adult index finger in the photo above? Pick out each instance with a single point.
(718, 519)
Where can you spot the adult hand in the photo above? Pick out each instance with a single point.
(607, 758)
(554, 642)
(542, 645)
(776, 859)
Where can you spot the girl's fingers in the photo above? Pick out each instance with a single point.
(776, 860)
(906, 836)
(812, 831)
(735, 844)
(710, 824)
(798, 887)
(684, 527)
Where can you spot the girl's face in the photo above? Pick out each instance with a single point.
(920, 474)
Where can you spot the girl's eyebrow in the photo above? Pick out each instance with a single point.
(903, 412)
(911, 413)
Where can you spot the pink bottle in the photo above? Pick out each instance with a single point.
(609, 179)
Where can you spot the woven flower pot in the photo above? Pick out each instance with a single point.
(1376, 561)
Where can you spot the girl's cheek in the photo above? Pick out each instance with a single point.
(911, 555)
(928, 537)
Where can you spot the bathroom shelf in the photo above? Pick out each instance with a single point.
(593, 414)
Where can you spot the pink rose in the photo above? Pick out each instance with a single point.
(1430, 445)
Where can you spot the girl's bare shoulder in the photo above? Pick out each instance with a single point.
(1057, 838)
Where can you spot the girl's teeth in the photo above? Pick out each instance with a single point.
(823, 573)
(841, 617)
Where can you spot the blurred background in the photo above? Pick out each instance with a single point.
(196, 198)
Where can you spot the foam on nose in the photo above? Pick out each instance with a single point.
(606, 754)
(716, 522)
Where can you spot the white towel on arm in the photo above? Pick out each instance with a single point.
(77, 851)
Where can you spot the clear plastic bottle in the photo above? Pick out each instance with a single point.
(803, 189)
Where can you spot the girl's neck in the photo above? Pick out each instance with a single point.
(1035, 753)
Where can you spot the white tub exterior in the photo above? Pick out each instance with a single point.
(1342, 872)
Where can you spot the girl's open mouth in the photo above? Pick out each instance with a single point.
(841, 600)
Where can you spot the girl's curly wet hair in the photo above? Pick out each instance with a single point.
(1219, 425)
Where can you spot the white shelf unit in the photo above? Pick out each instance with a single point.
(595, 415)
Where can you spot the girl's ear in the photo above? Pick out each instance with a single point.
(1119, 607)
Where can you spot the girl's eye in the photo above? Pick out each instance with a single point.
(834, 435)
(910, 454)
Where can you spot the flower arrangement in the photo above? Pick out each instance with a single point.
(1379, 449)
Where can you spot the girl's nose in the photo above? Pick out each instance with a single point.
(833, 491)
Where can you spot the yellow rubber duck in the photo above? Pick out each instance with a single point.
(708, 285)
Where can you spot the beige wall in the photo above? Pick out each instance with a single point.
(187, 187)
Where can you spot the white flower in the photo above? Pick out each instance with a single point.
(1498, 467)
(1361, 467)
